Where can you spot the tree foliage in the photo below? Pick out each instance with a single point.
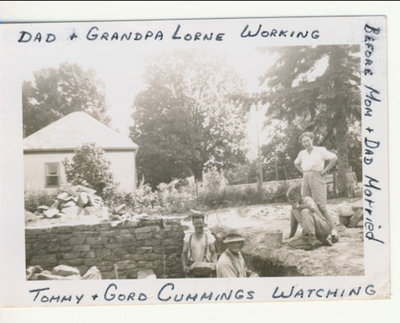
(310, 98)
(56, 92)
(90, 168)
(280, 152)
(186, 119)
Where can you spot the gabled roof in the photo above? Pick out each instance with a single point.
(74, 130)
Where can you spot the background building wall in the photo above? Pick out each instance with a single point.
(122, 166)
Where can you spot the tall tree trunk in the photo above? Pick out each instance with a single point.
(285, 172)
(342, 149)
(198, 174)
(342, 135)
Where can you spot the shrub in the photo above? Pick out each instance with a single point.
(90, 168)
(212, 194)
(146, 198)
(143, 200)
(34, 199)
(177, 200)
(214, 181)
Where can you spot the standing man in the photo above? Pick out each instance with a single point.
(231, 262)
(311, 163)
(199, 257)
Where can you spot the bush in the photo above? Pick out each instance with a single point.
(212, 194)
(214, 181)
(143, 200)
(90, 168)
(34, 199)
(177, 200)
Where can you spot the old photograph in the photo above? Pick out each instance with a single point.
(223, 166)
(166, 153)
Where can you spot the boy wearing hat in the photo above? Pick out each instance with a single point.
(231, 262)
(199, 257)
(306, 213)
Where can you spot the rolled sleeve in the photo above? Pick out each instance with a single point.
(309, 202)
(328, 155)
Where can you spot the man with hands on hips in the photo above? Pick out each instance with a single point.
(311, 163)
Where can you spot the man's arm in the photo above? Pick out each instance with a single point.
(293, 225)
(331, 163)
(297, 163)
(298, 168)
(225, 270)
(332, 159)
(213, 253)
(308, 203)
(184, 257)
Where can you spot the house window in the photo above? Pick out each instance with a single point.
(52, 174)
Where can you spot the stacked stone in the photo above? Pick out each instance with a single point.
(74, 200)
(118, 251)
(61, 272)
(351, 214)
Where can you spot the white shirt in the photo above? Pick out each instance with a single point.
(314, 160)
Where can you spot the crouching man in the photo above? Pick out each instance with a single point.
(315, 226)
(231, 262)
(198, 256)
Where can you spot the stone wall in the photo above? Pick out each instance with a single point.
(123, 250)
(273, 186)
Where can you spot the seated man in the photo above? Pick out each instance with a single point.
(306, 213)
(231, 262)
(198, 256)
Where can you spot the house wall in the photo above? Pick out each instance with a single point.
(34, 170)
(152, 243)
(123, 168)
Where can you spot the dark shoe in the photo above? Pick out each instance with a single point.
(326, 242)
(301, 243)
(334, 238)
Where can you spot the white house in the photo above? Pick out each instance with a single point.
(45, 150)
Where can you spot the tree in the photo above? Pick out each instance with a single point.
(327, 104)
(186, 119)
(55, 93)
(89, 168)
(280, 152)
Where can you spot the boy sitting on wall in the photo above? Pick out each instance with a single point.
(315, 227)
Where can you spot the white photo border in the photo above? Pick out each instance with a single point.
(375, 282)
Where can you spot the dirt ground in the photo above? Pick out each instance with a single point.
(262, 225)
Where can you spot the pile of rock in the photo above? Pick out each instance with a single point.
(74, 200)
(61, 272)
(121, 216)
(351, 214)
